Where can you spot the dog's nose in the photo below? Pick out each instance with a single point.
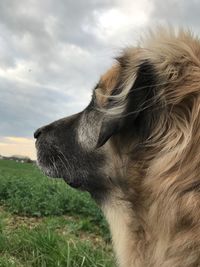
(38, 132)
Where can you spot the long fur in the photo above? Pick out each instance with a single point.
(162, 227)
(136, 149)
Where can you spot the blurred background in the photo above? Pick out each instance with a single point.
(53, 52)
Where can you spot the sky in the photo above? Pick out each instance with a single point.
(52, 54)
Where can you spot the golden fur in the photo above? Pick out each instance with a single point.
(136, 149)
(155, 219)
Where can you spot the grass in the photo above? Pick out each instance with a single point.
(43, 222)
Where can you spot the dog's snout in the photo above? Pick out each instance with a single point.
(56, 127)
(38, 132)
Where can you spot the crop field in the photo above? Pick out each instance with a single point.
(44, 223)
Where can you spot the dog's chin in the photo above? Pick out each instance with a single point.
(47, 170)
(75, 184)
(53, 173)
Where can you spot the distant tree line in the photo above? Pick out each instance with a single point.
(21, 159)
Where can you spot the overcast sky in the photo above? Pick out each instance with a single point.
(53, 52)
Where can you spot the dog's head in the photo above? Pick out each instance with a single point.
(145, 99)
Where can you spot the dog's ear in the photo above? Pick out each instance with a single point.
(109, 127)
(137, 103)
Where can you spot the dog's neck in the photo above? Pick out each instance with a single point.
(120, 218)
(157, 229)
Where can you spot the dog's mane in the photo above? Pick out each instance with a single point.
(164, 175)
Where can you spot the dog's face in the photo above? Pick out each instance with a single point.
(137, 100)
(86, 149)
(75, 147)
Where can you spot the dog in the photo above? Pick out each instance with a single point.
(136, 149)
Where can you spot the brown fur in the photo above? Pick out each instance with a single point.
(136, 149)
(155, 218)
(107, 84)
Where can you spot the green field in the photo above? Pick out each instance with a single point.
(45, 223)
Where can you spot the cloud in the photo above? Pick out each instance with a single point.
(25, 109)
(177, 13)
(17, 140)
(121, 24)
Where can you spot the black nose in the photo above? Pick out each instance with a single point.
(38, 132)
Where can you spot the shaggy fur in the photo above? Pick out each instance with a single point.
(148, 140)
